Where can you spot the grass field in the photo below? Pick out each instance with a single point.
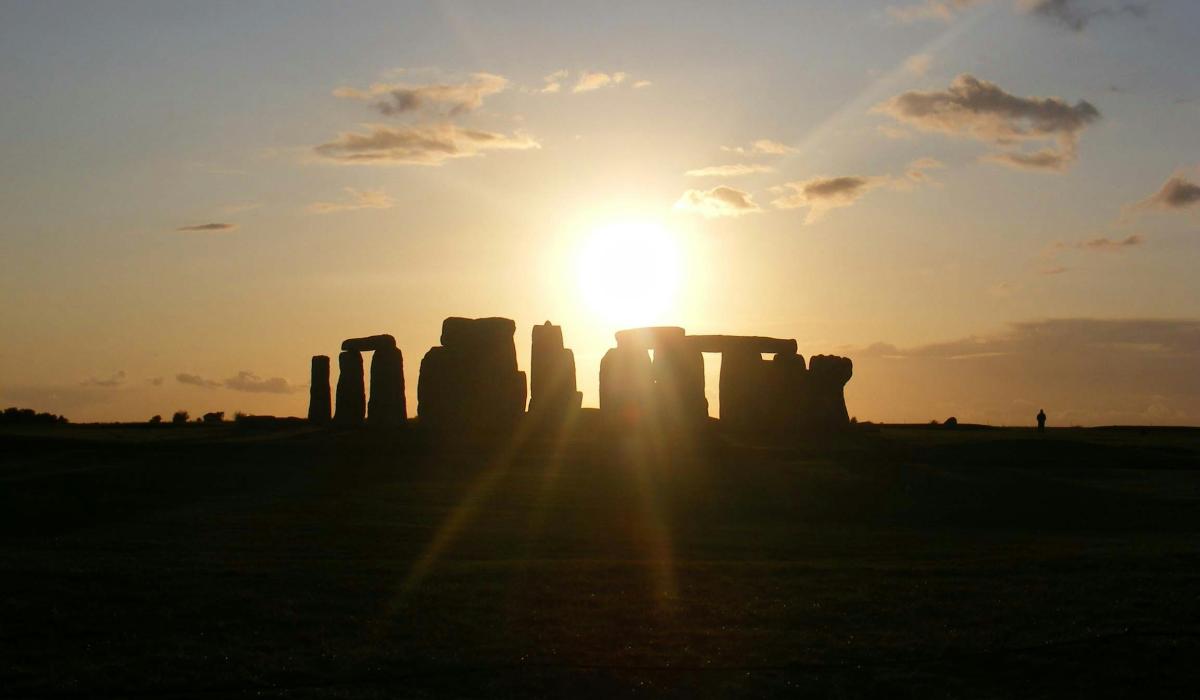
(907, 561)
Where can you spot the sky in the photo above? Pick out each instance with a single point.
(991, 206)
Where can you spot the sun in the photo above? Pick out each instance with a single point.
(629, 272)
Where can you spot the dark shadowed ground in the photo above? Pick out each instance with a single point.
(911, 562)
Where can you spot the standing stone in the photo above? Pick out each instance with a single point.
(369, 343)
(552, 384)
(318, 390)
(387, 406)
(827, 377)
(678, 371)
(351, 396)
(626, 387)
(744, 380)
(471, 383)
(788, 396)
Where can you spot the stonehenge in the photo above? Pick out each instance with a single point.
(670, 387)
(653, 379)
(318, 390)
(757, 395)
(552, 389)
(471, 382)
(387, 404)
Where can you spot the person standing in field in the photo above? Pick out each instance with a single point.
(1041, 419)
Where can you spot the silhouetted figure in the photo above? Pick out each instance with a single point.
(471, 382)
(552, 392)
(1041, 419)
(318, 390)
(351, 395)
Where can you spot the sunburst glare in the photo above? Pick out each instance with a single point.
(630, 272)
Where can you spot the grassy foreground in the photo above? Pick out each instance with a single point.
(912, 562)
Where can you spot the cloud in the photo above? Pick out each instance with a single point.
(761, 147)
(1176, 194)
(553, 82)
(917, 171)
(1071, 14)
(1110, 245)
(393, 99)
(590, 80)
(1075, 14)
(252, 383)
(245, 381)
(983, 111)
(1081, 370)
(430, 144)
(1093, 245)
(196, 380)
(943, 10)
(207, 228)
(720, 201)
(918, 64)
(820, 194)
(731, 170)
(642, 84)
(894, 132)
(355, 199)
(1044, 159)
(117, 379)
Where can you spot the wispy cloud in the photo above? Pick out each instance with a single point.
(252, 383)
(213, 227)
(355, 199)
(553, 82)
(1076, 14)
(1110, 245)
(761, 147)
(592, 80)
(821, 194)
(983, 111)
(114, 380)
(1070, 14)
(918, 64)
(1176, 194)
(731, 170)
(196, 380)
(244, 381)
(453, 99)
(1103, 244)
(431, 144)
(943, 10)
(720, 201)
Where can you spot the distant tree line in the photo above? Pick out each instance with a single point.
(27, 416)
